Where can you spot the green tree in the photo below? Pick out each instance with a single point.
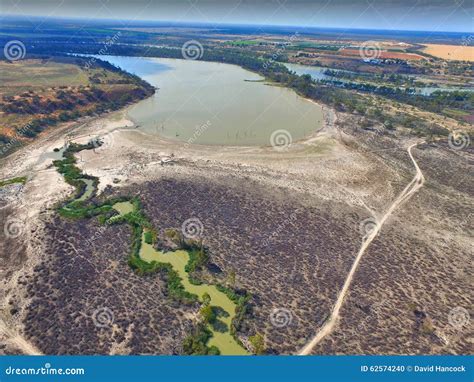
(207, 313)
(206, 299)
(258, 343)
(231, 278)
(148, 237)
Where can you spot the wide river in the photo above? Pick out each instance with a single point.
(215, 104)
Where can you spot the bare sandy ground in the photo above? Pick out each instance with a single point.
(451, 52)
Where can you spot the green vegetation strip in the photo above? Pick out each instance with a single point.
(19, 180)
(222, 309)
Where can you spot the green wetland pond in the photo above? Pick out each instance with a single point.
(215, 335)
(178, 259)
(211, 103)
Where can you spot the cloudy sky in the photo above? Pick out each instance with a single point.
(434, 15)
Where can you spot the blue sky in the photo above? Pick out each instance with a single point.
(435, 15)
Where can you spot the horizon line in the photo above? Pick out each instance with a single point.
(202, 23)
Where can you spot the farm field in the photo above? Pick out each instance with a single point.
(451, 52)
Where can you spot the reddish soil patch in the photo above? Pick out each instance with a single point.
(384, 55)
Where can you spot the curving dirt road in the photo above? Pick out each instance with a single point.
(412, 187)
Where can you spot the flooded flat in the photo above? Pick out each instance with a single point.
(123, 207)
(216, 104)
(52, 155)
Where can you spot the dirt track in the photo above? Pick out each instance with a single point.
(18, 341)
(416, 183)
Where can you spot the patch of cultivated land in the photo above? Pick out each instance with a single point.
(450, 52)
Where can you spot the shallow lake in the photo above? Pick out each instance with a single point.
(217, 104)
(318, 73)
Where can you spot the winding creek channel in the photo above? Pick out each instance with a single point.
(120, 210)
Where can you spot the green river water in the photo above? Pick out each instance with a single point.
(178, 260)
